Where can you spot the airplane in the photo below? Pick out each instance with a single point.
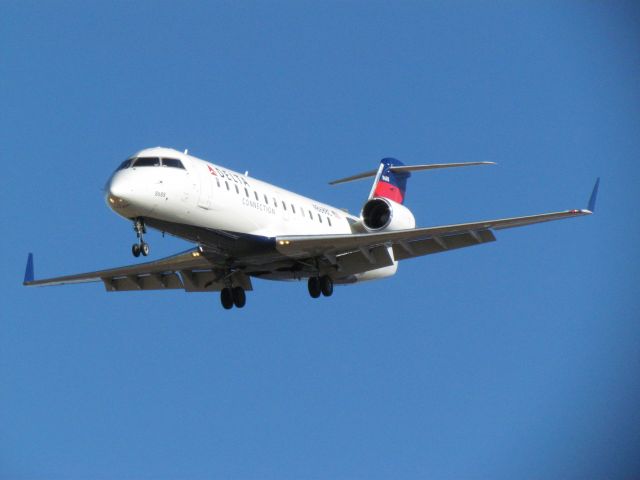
(247, 229)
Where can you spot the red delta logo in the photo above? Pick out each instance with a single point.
(225, 175)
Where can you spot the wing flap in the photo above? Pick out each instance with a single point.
(158, 281)
(212, 281)
(418, 248)
(360, 261)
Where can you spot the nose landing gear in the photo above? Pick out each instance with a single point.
(141, 247)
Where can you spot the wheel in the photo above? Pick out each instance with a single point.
(239, 297)
(144, 249)
(135, 249)
(314, 287)
(226, 298)
(326, 285)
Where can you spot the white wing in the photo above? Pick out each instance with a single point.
(188, 270)
(413, 242)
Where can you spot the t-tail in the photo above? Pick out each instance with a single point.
(392, 175)
(390, 184)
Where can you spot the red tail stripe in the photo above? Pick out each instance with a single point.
(386, 190)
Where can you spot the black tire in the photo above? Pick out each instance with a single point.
(239, 297)
(226, 298)
(314, 287)
(326, 285)
(144, 249)
(135, 249)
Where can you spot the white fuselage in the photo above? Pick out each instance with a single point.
(207, 195)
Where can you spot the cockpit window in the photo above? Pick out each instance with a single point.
(125, 164)
(147, 162)
(172, 162)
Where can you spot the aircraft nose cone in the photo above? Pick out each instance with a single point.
(118, 192)
(118, 187)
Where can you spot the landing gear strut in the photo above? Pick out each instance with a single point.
(233, 296)
(141, 247)
(320, 285)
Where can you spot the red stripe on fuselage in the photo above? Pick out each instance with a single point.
(386, 190)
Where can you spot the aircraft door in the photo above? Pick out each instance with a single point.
(206, 179)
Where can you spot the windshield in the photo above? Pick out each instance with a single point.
(150, 162)
(147, 162)
(125, 164)
(172, 162)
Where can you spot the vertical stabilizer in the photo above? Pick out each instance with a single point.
(390, 184)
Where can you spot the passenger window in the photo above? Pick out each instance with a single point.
(266, 200)
(147, 162)
(125, 164)
(172, 162)
(227, 184)
(218, 182)
(293, 208)
(320, 218)
(275, 202)
(310, 215)
(246, 193)
(284, 205)
(237, 189)
(329, 221)
(255, 194)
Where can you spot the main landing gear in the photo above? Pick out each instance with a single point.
(320, 285)
(141, 247)
(230, 296)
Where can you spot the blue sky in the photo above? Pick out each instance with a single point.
(518, 358)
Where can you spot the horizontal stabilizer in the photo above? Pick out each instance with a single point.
(406, 169)
(434, 166)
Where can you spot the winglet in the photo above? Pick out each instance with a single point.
(28, 273)
(594, 196)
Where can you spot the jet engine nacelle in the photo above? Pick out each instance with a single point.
(383, 214)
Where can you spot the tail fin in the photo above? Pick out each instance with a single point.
(391, 177)
(388, 183)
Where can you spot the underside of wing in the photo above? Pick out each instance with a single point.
(188, 270)
(409, 243)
